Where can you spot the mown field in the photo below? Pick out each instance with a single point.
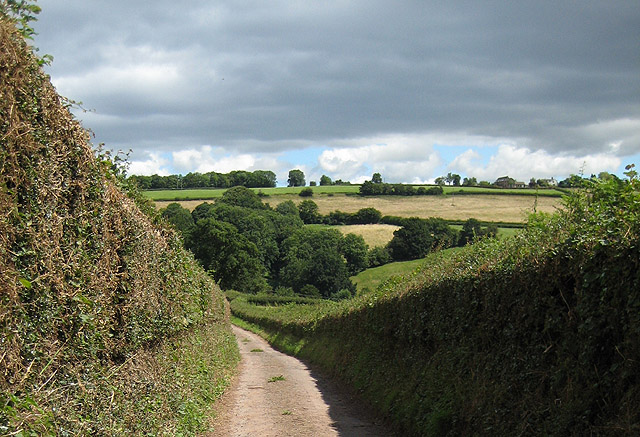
(485, 207)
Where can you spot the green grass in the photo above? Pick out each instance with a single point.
(214, 193)
(549, 192)
(276, 378)
(371, 279)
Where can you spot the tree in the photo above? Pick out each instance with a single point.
(573, 181)
(296, 178)
(378, 256)
(288, 208)
(263, 178)
(241, 196)
(469, 182)
(418, 237)
(254, 224)
(309, 212)
(232, 259)
(440, 180)
(179, 217)
(325, 180)
(354, 249)
(366, 216)
(201, 211)
(376, 178)
(312, 256)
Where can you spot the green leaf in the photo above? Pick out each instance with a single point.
(25, 283)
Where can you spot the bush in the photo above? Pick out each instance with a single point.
(378, 256)
(306, 192)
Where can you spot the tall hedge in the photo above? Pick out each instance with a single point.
(534, 335)
(88, 282)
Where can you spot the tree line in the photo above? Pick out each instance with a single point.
(249, 179)
(247, 245)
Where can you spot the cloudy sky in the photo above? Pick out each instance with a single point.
(410, 89)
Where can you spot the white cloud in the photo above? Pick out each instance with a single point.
(522, 164)
(155, 164)
(398, 158)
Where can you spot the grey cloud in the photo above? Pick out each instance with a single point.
(282, 74)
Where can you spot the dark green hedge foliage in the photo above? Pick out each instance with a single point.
(538, 334)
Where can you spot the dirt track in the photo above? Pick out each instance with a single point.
(297, 402)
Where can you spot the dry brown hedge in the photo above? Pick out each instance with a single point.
(87, 280)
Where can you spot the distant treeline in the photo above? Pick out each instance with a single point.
(212, 179)
(370, 188)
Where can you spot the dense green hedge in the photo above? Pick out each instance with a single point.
(538, 334)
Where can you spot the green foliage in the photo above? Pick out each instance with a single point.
(531, 335)
(23, 12)
(418, 237)
(309, 212)
(472, 230)
(306, 192)
(355, 251)
(232, 259)
(378, 256)
(325, 180)
(179, 217)
(288, 208)
(369, 188)
(296, 178)
(364, 216)
(256, 179)
(241, 196)
(312, 257)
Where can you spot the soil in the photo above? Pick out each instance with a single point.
(278, 395)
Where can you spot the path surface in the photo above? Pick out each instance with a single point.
(296, 403)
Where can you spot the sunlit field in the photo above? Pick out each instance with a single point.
(484, 207)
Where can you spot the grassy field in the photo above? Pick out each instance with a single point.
(502, 191)
(370, 279)
(492, 208)
(213, 193)
(380, 235)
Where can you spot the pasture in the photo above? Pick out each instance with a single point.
(369, 279)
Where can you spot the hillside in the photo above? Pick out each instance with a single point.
(107, 326)
(536, 334)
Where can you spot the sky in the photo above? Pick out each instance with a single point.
(410, 89)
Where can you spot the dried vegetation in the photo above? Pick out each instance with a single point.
(90, 286)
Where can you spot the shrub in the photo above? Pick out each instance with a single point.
(306, 192)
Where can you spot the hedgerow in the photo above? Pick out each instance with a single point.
(538, 334)
(93, 293)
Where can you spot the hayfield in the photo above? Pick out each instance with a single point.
(374, 235)
(484, 207)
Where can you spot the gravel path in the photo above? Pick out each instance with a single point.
(277, 395)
